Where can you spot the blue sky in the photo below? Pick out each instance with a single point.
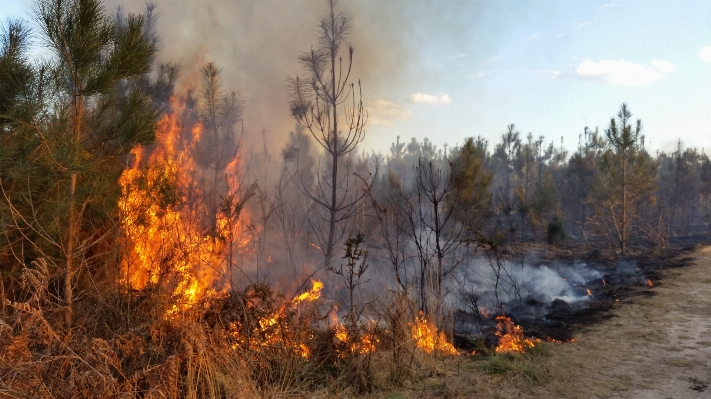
(554, 67)
(447, 70)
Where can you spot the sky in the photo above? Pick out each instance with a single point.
(447, 70)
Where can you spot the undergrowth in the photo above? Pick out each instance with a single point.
(247, 344)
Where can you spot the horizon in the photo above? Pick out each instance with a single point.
(448, 71)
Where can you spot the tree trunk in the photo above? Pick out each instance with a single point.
(335, 154)
(72, 225)
(624, 203)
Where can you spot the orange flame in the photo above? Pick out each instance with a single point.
(274, 329)
(511, 337)
(365, 345)
(589, 293)
(161, 226)
(649, 283)
(426, 337)
(311, 295)
(557, 341)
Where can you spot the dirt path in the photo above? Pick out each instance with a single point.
(657, 346)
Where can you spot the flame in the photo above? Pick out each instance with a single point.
(161, 224)
(274, 330)
(426, 337)
(589, 293)
(365, 345)
(603, 282)
(311, 295)
(511, 337)
(649, 283)
(557, 341)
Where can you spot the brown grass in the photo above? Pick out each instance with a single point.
(654, 343)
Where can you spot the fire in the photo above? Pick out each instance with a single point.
(365, 345)
(163, 220)
(649, 283)
(557, 341)
(311, 295)
(275, 331)
(511, 337)
(589, 292)
(426, 337)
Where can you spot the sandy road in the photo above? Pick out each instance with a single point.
(657, 346)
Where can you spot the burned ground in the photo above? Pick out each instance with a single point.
(655, 342)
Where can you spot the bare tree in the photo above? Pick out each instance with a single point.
(426, 217)
(315, 105)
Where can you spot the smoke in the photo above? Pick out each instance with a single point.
(257, 45)
(525, 288)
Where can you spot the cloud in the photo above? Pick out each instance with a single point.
(482, 74)
(705, 54)
(532, 37)
(421, 98)
(663, 66)
(623, 73)
(551, 73)
(385, 113)
(581, 25)
(457, 56)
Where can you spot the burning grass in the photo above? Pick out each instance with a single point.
(511, 338)
(243, 344)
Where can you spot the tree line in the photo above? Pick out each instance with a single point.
(69, 124)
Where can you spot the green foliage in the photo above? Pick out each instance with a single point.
(555, 232)
(627, 180)
(471, 183)
(68, 124)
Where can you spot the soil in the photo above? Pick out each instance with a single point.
(649, 342)
(655, 345)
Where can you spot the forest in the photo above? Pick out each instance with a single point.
(146, 251)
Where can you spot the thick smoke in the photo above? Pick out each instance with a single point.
(257, 45)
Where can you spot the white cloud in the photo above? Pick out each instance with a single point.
(551, 73)
(421, 98)
(705, 54)
(532, 37)
(663, 66)
(385, 113)
(581, 25)
(621, 72)
(481, 74)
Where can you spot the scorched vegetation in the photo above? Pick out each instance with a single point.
(146, 252)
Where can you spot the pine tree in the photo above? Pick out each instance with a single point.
(628, 177)
(315, 105)
(81, 116)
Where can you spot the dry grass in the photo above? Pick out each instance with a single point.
(651, 344)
